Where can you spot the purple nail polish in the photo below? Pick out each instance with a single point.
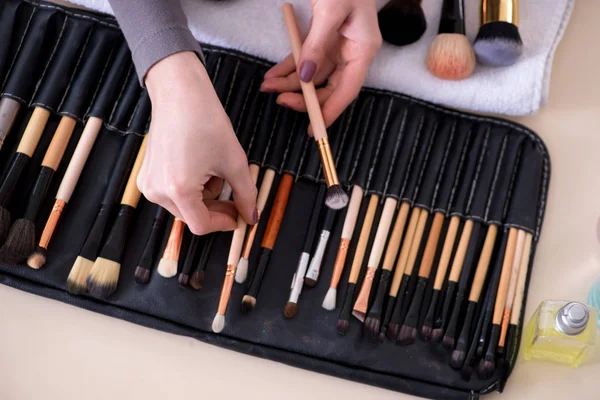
(255, 217)
(307, 70)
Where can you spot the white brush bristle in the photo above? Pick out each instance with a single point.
(167, 268)
(330, 298)
(336, 198)
(79, 272)
(218, 323)
(242, 271)
(36, 260)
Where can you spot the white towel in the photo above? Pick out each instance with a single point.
(256, 27)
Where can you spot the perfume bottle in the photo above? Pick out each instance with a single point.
(594, 297)
(562, 332)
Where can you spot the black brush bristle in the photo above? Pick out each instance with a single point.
(373, 321)
(4, 223)
(457, 359)
(346, 310)
(311, 283)
(342, 326)
(190, 258)
(402, 23)
(8, 185)
(197, 280)
(437, 334)
(393, 328)
(20, 242)
(448, 342)
(183, 279)
(248, 304)
(498, 43)
(485, 368)
(389, 309)
(407, 335)
(412, 317)
(142, 272)
(101, 290)
(426, 332)
(427, 328)
(290, 310)
(142, 275)
(372, 325)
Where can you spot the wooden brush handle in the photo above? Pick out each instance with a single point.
(440, 275)
(363, 239)
(79, 158)
(394, 244)
(405, 251)
(132, 194)
(59, 143)
(523, 270)
(235, 249)
(340, 262)
(352, 213)
(308, 88)
(254, 171)
(385, 222)
(505, 276)
(173, 246)
(416, 242)
(277, 211)
(33, 131)
(512, 286)
(484, 263)
(432, 244)
(51, 223)
(265, 189)
(226, 290)
(461, 251)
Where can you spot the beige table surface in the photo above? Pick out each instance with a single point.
(50, 350)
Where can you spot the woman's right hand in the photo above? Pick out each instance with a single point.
(192, 148)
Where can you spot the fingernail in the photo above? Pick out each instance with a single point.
(307, 70)
(284, 105)
(255, 217)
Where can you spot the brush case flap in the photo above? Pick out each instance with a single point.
(490, 170)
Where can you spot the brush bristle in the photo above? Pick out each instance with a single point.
(498, 43)
(451, 57)
(4, 223)
(336, 197)
(218, 323)
(20, 242)
(342, 326)
(407, 335)
(311, 283)
(76, 281)
(457, 359)
(197, 280)
(359, 315)
(402, 24)
(167, 268)
(183, 279)
(38, 258)
(329, 300)
(290, 310)
(485, 368)
(500, 350)
(448, 342)
(103, 278)
(426, 332)
(242, 270)
(248, 304)
(372, 325)
(437, 335)
(392, 331)
(142, 275)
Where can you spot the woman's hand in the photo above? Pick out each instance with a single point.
(343, 39)
(192, 148)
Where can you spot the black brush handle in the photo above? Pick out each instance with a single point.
(203, 262)
(346, 310)
(453, 322)
(155, 231)
(115, 244)
(94, 238)
(311, 232)
(412, 317)
(467, 368)
(121, 169)
(452, 19)
(512, 342)
(397, 314)
(448, 297)
(11, 178)
(330, 215)
(389, 310)
(432, 310)
(377, 307)
(465, 334)
(490, 354)
(38, 194)
(259, 274)
(189, 257)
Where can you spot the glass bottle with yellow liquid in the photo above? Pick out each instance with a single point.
(562, 332)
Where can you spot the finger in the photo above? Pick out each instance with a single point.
(222, 207)
(296, 102)
(236, 172)
(284, 68)
(345, 85)
(199, 219)
(212, 188)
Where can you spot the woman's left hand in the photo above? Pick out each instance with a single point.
(343, 39)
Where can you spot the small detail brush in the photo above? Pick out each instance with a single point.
(167, 266)
(336, 197)
(184, 275)
(142, 271)
(104, 274)
(9, 108)
(451, 55)
(314, 268)
(340, 260)
(498, 42)
(402, 22)
(291, 308)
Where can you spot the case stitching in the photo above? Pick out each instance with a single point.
(475, 183)
(71, 13)
(118, 100)
(379, 144)
(235, 72)
(12, 63)
(427, 153)
(362, 142)
(495, 180)
(246, 98)
(443, 165)
(100, 81)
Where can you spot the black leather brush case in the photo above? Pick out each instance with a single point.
(76, 63)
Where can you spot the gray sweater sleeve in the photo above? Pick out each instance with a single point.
(154, 29)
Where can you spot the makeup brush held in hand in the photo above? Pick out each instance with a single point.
(451, 55)
(402, 22)
(498, 42)
(336, 197)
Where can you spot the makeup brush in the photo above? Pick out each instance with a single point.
(9, 108)
(167, 266)
(20, 242)
(291, 308)
(314, 268)
(402, 22)
(336, 197)
(184, 275)
(85, 260)
(451, 55)
(20, 161)
(268, 242)
(498, 42)
(487, 364)
(512, 287)
(104, 274)
(232, 261)
(458, 355)
(142, 271)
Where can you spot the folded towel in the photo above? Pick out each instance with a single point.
(256, 27)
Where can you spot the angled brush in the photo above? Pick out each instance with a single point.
(142, 271)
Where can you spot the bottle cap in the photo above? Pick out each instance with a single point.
(572, 319)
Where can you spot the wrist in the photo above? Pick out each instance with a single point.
(174, 74)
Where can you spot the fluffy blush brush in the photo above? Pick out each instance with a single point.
(451, 56)
(498, 42)
(402, 22)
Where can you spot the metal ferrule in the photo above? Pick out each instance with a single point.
(53, 218)
(500, 10)
(328, 164)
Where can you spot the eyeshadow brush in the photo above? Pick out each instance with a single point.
(142, 271)
(184, 275)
